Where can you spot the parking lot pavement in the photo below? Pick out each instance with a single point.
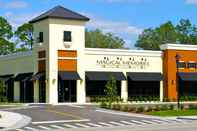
(76, 116)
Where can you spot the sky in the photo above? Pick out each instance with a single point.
(124, 18)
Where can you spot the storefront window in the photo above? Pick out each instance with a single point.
(191, 65)
(181, 65)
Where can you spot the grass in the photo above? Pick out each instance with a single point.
(174, 113)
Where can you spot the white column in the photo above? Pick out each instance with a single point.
(36, 91)
(124, 91)
(161, 91)
(53, 88)
(81, 91)
(16, 91)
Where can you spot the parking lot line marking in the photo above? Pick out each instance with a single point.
(138, 122)
(93, 124)
(126, 122)
(75, 106)
(19, 129)
(116, 123)
(82, 125)
(149, 122)
(45, 128)
(59, 121)
(57, 127)
(69, 126)
(159, 121)
(105, 124)
(65, 114)
(30, 128)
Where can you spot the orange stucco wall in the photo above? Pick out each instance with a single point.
(69, 63)
(169, 62)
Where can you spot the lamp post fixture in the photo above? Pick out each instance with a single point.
(177, 57)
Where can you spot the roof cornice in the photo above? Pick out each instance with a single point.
(170, 46)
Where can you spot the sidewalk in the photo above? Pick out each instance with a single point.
(10, 120)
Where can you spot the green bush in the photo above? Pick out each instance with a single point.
(131, 109)
(140, 109)
(156, 108)
(171, 107)
(103, 105)
(117, 106)
(149, 109)
(164, 108)
(124, 108)
(192, 106)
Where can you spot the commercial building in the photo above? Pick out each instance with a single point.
(60, 69)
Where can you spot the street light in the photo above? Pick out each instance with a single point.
(177, 57)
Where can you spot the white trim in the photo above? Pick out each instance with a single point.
(60, 121)
(41, 59)
(178, 47)
(67, 58)
(122, 52)
(16, 55)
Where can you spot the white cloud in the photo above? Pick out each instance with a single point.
(18, 19)
(191, 1)
(123, 29)
(13, 4)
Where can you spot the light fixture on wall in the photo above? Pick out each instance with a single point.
(53, 81)
(46, 81)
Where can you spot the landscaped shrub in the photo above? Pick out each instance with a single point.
(171, 107)
(149, 109)
(103, 104)
(124, 108)
(140, 109)
(164, 107)
(192, 106)
(156, 108)
(181, 106)
(166, 99)
(116, 106)
(131, 109)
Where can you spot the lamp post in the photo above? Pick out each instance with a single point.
(177, 57)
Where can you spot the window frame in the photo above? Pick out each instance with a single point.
(67, 36)
(41, 37)
(179, 66)
(191, 62)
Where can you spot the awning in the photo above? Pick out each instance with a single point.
(23, 77)
(68, 75)
(38, 76)
(6, 78)
(99, 76)
(188, 76)
(139, 76)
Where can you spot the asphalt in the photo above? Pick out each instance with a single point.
(66, 112)
(47, 115)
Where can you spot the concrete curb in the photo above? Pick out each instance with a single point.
(187, 117)
(127, 114)
(12, 120)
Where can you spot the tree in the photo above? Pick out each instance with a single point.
(24, 35)
(184, 33)
(6, 46)
(151, 39)
(98, 39)
(111, 90)
(187, 33)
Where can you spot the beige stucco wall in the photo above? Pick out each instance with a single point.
(93, 57)
(16, 63)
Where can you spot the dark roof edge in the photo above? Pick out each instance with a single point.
(34, 21)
